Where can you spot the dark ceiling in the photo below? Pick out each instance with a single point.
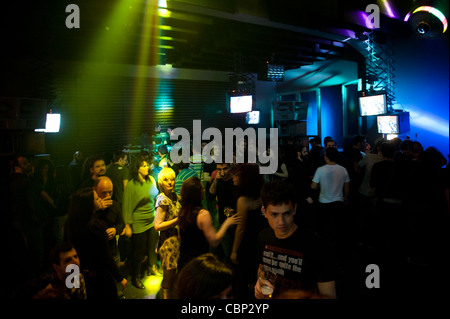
(227, 35)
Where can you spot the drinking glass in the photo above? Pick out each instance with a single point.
(228, 211)
(267, 283)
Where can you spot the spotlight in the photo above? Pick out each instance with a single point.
(423, 27)
(427, 21)
(271, 72)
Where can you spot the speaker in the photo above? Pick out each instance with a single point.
(290, 128)
(290, 110)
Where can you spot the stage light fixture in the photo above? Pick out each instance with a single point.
(275, 72)
(271, 72)
(427, 21)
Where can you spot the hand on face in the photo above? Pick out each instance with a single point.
(101, 203)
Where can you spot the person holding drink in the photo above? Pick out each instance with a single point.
(223, 188)
(300, 260)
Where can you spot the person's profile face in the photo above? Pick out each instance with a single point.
(123, 160)
(304, 152)
(24, 165)
(143, 169)
(99, 168)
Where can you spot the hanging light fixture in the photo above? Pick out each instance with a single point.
(427, 21)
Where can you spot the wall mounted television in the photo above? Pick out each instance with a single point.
(252, 117)
(241, 103)
(393, 123)
(374, 104)
(52, 123)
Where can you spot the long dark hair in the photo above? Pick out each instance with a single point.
(80, 212)
(136, 164)
(191, 201)
(202, 278)
(250, 180)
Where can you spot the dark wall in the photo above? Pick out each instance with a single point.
(103, 114)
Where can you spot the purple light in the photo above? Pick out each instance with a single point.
(407, 16)
(388, 8)
(363, 17)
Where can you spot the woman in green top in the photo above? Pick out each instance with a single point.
(138, 214)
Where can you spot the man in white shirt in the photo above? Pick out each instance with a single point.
(334, 183)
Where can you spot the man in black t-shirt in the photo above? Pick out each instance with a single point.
(118, 173)
(301, 260)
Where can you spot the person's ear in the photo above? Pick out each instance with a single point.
(263, 210)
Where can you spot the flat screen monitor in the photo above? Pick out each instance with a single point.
(252, 117)
(388, 124)
(52, 123)
(372, 105)
(393, 123)
(241, 103)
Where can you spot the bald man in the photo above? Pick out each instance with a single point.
(110, 212)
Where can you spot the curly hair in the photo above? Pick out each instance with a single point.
(136, 164)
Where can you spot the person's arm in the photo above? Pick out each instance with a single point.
(327, 289)
(48, 198)
(204, 222)
(160, 215)
(284, 172)
(206, 177)
(119, 223)
(316, 180)
(213, 187)
(127, 210)
(242, 212)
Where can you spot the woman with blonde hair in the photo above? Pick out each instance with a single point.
(166, 222)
